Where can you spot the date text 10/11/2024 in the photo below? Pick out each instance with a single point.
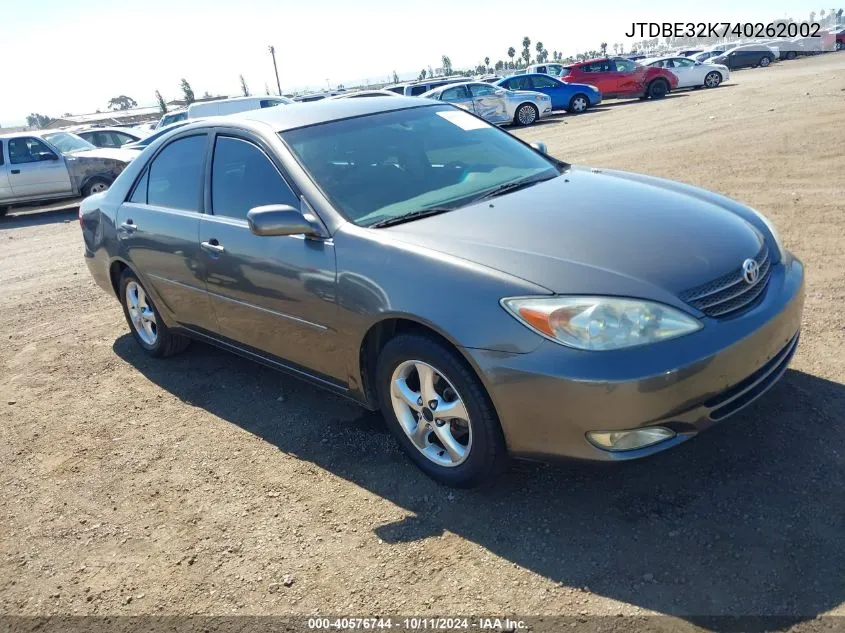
(724, 29)
(415, 624)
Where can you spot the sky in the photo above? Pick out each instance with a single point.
(60, 56)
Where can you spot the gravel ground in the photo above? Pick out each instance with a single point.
(205, 484)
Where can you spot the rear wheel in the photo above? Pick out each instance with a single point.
(791, 55)
(712, 79)
(658, 88)
(143, 318)
(840, 45)
(526, 114)
(578, 104)
(439, 412)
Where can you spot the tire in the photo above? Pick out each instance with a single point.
(526, 114)
(163, 343)
(840, 45)
(765, 61)
(791, 55)
(578, 104)
(658, 89)
(95, 185)
(712, 79)
(485, 454)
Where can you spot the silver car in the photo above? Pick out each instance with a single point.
(495, 104)
(37, 167)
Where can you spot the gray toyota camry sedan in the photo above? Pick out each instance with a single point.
(489, 299)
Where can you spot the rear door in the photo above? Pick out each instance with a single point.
(601, 74)
(36, 169)
(272, 294)
(5, 188)
(459, 96)
(158, 231)
(489, 102)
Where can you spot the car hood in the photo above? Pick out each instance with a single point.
(107, 152)
(597, 232)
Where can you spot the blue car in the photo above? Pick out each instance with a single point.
(573, 98)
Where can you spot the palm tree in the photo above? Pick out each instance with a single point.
(487, 64)
(604, 49)
(526, 49)
(511, 53)
(539, 48)
(447, 65)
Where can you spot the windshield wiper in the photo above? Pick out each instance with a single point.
(408, 217)
(509, 187)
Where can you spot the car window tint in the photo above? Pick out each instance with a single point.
(482, 90)
(596, 67)
(418, 90)
(458, 93)
(242, 177)
(175, 179)
(543, 82)
(1, 152)
(122, 139)
(521, 83)
(139, 194)
(683, 63)
(624, 66)
(28, 150)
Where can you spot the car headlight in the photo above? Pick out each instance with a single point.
(600, 323)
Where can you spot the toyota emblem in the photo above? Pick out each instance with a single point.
(750, 271)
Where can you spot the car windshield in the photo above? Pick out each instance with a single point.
(152, 137)
(168, 119)
(556, 70)
(68, 143)
(388, 165)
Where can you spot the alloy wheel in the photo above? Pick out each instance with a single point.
(526, 115)
(141, 313)
(712, 79)
(431, 412)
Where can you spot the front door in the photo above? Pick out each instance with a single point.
(158, 232)
(35, 169)
(273, 294)
(686, 71)
(489, 102)
(627, 76)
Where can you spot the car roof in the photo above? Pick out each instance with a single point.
(298, 114)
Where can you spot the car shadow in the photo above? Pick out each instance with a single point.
(745, 520)
(18, 218)
(615, 103)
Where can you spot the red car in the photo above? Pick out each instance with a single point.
(620, 77)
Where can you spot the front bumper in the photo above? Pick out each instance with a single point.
(548, 399)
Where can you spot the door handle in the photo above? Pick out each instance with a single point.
(129, 226)
(213, 246)
(16, 171)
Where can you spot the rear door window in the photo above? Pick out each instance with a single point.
(543, 82)
(176, 175)
(458, 93)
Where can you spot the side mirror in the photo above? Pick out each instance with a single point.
(279, 219)
(540, 146)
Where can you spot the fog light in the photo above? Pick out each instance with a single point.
(630, 440)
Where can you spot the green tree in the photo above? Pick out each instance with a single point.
(526, 49)
(511, 53)
(187, 91)
(447, 65)
(422, 74)
(499, 64)
(244, 87)
(38, 120)
(604, 49)
(395, 77)
(122, 103)
(539, 48)
(162, 105)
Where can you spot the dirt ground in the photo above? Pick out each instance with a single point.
(206, 484)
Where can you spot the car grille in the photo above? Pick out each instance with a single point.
(730, 294)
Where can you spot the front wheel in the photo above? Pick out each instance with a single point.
(439, 412)
(578, 104)
(526, 114)
(658, 89)
(95, 185)
(712, 79)
(143, 318)
(765, 61)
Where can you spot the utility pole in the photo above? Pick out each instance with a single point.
(276, 68)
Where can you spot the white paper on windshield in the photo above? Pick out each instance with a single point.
(462, 120)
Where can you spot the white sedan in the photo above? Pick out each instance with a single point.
(690, 73)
